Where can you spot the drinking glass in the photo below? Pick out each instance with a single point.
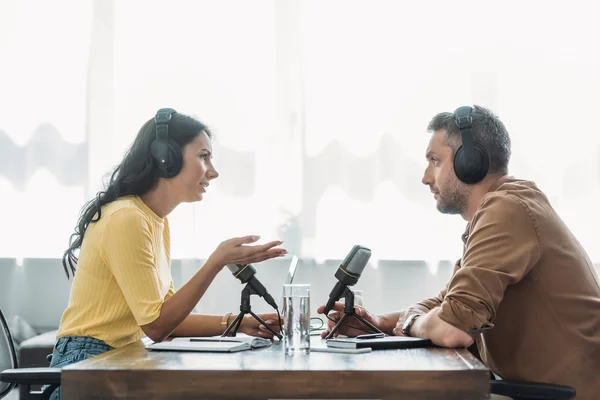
(296, 319)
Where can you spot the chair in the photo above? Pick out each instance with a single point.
(11, 376)
(518, 390)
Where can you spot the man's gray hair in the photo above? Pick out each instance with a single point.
(488, 130)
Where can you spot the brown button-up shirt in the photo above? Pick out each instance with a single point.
(526, 275)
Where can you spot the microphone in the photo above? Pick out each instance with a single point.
(246, 274)
(348, 273)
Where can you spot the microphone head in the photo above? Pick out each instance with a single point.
(245, 273)
(242, 272)
(356, 261)
(234, 268)
(348, 273)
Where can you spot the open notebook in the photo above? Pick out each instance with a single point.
(212, 344)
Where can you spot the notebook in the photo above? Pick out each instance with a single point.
(388, 342)
(212, 344)
(211, 347)
(325, 349)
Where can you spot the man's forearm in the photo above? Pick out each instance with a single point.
(431, 326)
(387, 322)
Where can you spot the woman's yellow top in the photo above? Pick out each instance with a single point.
(123, 275)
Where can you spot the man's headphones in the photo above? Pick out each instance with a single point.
(165, 151)
(471, 160)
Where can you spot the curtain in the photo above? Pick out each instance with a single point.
(44, 161)
(319, 111)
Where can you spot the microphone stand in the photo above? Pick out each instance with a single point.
(245, 309)
(350, 312)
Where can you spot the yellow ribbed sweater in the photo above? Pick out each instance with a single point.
(123, 274)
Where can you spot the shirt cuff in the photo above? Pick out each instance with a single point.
(461, 316)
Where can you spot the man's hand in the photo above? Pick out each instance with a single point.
(351, 326)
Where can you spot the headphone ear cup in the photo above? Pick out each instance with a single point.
(157, 150)
(174, 158)
(471, 170)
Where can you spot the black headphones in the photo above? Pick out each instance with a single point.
(471, 160)
(165, 151)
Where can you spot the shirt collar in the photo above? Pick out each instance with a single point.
(497, 183)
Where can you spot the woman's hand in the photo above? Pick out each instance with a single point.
(250, 325)
(237, 251)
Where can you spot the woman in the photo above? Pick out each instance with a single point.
(123, 287)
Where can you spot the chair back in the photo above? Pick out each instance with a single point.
(8, 356)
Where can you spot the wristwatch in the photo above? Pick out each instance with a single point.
(409, 323)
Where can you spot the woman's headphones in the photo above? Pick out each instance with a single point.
(165, 151)
(471, 160)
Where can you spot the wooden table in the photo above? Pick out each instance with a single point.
(133, 372)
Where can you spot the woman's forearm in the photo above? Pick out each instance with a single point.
(178, 307)
(201, 325)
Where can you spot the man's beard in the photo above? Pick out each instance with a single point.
(454, 198)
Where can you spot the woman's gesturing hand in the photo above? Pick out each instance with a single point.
(238, 251)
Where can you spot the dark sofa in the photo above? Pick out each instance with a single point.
(33, 352)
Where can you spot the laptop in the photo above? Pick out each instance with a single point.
(292, 271)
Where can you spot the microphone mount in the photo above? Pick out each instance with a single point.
(350, 311)
(245, 308)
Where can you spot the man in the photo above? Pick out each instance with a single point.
(525, 290)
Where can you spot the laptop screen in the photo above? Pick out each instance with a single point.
(292, 270)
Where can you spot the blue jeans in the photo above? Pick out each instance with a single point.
(71, 349)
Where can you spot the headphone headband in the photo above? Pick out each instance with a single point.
(164, 150)
(463, 117)
(162, 118)
(464, 120)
